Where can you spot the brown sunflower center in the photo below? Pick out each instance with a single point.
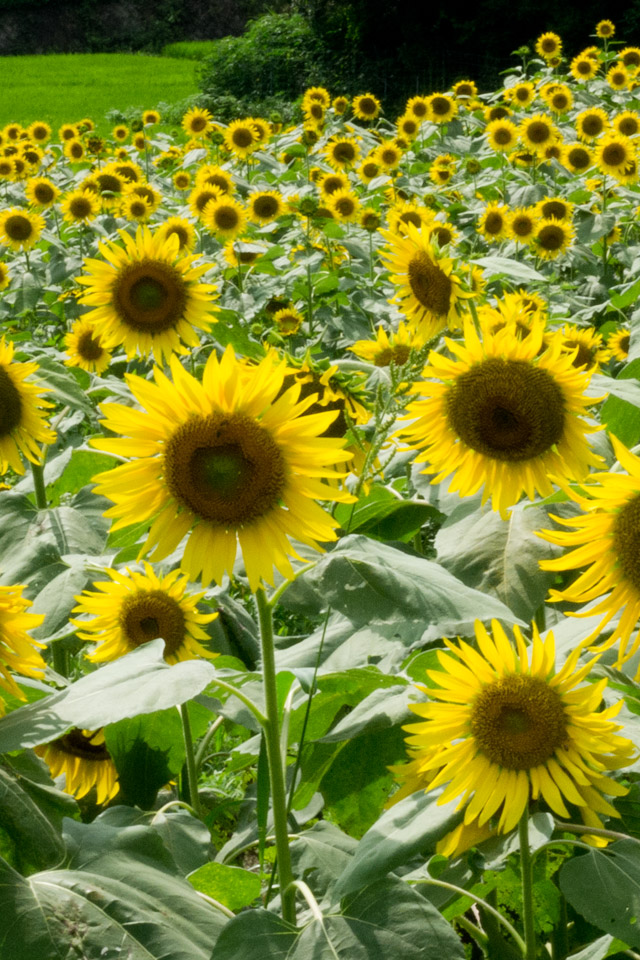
(503, 136)
(265, 206)
(77, 743)
(430, 285)
(108, 183)
(551, 237)
(522, 94)
(518, 722)
(370, 170)
(242, 138)
(592, 125)
(440, 106)
(560, 101)
(623, 343)
(508, 410)
(538, 131)
(626, 541)
(44, 193)
(549, 45)
(368, 106)
(177, 231)
(18, 227)
(197, 124)
(585, 354)
(345, 206)
(10, 404)
(149, 614)
(522, 225)
(344, 152)
(554, 208)
(225, 468)
(89, 347)
(80, 208)
(628, 126)
(498, 113)
(226, 218)
(579, 158)
(494, 223)
(631, 58)
(614, 155)
(584, 67)
(398, 354)
(419, 109)
(149, 296)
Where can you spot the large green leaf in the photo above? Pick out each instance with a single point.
(620, 413)
(604, 886)
(412, 826)
(257, 933)
(37, 843)
(364, 579)
(146, 915)
(503, 266)
(320, 855)
(141, 682)
(63, 385)
(232, 886)
(148, 751)
(498, 557)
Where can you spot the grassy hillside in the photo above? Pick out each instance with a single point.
(62, 88)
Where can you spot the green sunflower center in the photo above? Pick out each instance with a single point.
(626, 541)
(10, 404)
(149, 614)
(18, 228)
(430, 285)
(225, 468)
(76, 743)
(518, 722)
(508, 410)
(149, 296)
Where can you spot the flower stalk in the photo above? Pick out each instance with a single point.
(526, 878)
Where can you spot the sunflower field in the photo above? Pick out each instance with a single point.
(320, 527)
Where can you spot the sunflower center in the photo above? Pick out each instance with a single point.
(429, 284)
(503, 136)
(18, 227)
(551, 237)
(554, 208)
(508, 410)
(583, 67)
(370, 170)
(410, 216)
(584, 355)
(344, 152)
(440, 106)
(44, 193)
(614, 154)
(522, 94)
(628, 126)
(10, 404)
(226, 218)
(80, 207)
(76, 743)
(242, 138)
(108, 183)
(579, 158)
(522, 226)
(198, 123)
(538, 131)
(149, 614)
(626, 541)
(367, 105)
(265, 206)
(149, 296)
(225, 468)
(88, 347)
(494, 223)
(518, 722)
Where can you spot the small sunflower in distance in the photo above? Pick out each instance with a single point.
(619, 343)
(225, 217)
(180, 227)
(146, 296)
(18, 652)
(502, 726)
(41, 192)
(197, 122)
(82, 756)
(85, 348)
(605, 29)
(366, 107)
(606, 537)
(265, 205)
(503, 417)
(502, 135)
(22, 421)
(288, 321)
(240, 138)
(80, 206)
(552, 237)
(223, 462)
(132, 608)
(20, 229)
(389, 348)
(549, 46)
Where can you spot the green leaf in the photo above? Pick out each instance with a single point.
(604, 886)
(498, 557)
(38, 843)
(383, 516)
(28, 294)
(140, 682)
(498, 266)
(145, 914)
(320, 855)
(82, 467)
(382, 709)
(628, 295)
(594, 226)
(57, 599)
(258, 932)
(599, 949)
(232, 886)
(412, 826)
(63, 385)
(363, 579)
(148, 751)
(620, 412)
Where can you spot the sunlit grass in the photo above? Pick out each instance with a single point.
(61, 88)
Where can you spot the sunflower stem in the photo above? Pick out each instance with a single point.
(190, 761)
(37, 470)
(271, 729)
(526, 877)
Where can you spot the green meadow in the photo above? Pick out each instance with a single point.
(61, 88)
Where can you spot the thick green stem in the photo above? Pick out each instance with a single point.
(526, 876)
(37, 471)
(271, 729)
(190, 761)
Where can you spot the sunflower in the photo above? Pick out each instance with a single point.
(132, 608)
(585, 346)
(514, 311)
(553, 237)
(20, 229)
(80, 206)
(464, 89)
(109, 185)
(19, 653)
(369, 219)
(522, 224)
(605, 29)
(591, 123)
(182, 229)
(537, 131)
(388, 155)
(150, 117)
(81, 755)
(225, 217)
(344, 205)
(577, 157)
(441, 108)
(320, 94)
(494, 222)
(605, 536)
(41, 192)
(240, 138)
(135, 208)
(328, 183)
(366, 106)
(68, 131)
(74, 150)
(39, 131)
(502, 135)
(197, 122)
(497, 111)
(627, 123)
(146, 296)
(201, 196)
(288, 321)
(85, 348)
(342, 152)
(555, 207)
(503, 726)
(618, 344)
(630, 57)
(340, 105)
(503, 416)
(313, 110)
(584, 68)
(389, 348)
(560, 99)
(5, 276)
(442, 232)
(129, 171)
(147, 192)
(615, 154)
(549, 46)
(408, 126)
(429, 292)
(181, 180)
(618, 77)
(223, 461)
(22, 423)
(521, 94)
(265, 205)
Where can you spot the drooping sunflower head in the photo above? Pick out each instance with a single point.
(20, 229)
(19, 653)
(234, 459)
(585, 346)
(85, 348)
(82, 756)
(146, 296)
(502, 417)
(502, 726)
(619, 343)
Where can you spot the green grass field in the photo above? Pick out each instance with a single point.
(61, 88)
